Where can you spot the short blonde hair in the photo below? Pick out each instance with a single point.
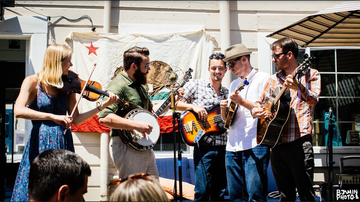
(51, 71)
(139, 187)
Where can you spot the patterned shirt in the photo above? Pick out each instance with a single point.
(199, 92)
(300, 122)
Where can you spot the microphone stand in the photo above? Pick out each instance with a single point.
(176, 116)
(330, 149)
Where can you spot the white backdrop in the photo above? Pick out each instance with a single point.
(179, 50)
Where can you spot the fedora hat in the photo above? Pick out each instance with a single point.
(235, 51)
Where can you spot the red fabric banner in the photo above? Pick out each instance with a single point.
(93, 125)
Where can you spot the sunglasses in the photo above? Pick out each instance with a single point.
(217, 56)
(132, 177)
(232, 63)
(276, 56)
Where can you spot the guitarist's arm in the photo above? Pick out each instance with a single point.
(200, 111)
(223, 108)
(237, 99)
(311, 96)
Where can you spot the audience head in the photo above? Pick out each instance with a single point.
(58, 175)
(52, 68)
(139, 187)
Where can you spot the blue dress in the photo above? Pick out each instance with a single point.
(45, 135)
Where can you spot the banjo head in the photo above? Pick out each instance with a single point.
(139, 141)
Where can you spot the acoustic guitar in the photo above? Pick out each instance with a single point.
(192, 128)
(269, 129)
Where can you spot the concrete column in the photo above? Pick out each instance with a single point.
(225, 35)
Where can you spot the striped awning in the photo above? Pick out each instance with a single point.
(335, 26)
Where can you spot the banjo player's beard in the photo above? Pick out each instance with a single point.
(140, 77)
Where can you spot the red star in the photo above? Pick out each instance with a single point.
(92, 49)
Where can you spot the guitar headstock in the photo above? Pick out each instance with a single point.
(305, 66)
(187, 75)
(242, 85)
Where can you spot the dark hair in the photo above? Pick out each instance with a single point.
(287, 44)
(53, 168)
(217, 56)
(134, 55)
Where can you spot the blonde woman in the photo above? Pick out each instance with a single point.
(139, 187)
(41, 100)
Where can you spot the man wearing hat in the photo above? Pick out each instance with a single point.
(245, 161)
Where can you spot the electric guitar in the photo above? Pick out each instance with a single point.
(192, 129)
(269, 129)
(233, 107)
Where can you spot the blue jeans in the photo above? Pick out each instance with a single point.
(246, 173)
(210, 176)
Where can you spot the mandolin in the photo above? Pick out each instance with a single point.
(233, 107)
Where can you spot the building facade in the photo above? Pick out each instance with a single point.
(28, 27)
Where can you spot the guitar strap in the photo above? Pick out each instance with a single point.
(224, 92)
(250, 82)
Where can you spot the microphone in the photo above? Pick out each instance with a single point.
(172, 77)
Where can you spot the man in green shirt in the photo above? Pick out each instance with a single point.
(130, 86)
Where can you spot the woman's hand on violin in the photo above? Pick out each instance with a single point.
(66, 121)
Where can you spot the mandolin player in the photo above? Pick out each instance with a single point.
(246, 162)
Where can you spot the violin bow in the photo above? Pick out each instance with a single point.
(81, 94)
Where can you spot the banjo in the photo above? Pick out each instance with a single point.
(140, 141)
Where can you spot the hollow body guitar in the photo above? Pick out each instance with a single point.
(136, 139)
(232, 108)
(270, 129)
(192, 129)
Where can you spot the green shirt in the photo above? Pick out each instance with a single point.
(132, 93)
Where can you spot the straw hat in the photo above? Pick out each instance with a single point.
(235, 51)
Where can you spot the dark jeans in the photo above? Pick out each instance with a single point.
(247, 174)
(293, 167)
(210, 175)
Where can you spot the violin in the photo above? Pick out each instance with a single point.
(92, 92)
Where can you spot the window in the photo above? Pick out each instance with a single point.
(340, 90)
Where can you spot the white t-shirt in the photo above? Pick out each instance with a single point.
(242, 132)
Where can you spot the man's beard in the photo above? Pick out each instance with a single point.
(140, 77)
